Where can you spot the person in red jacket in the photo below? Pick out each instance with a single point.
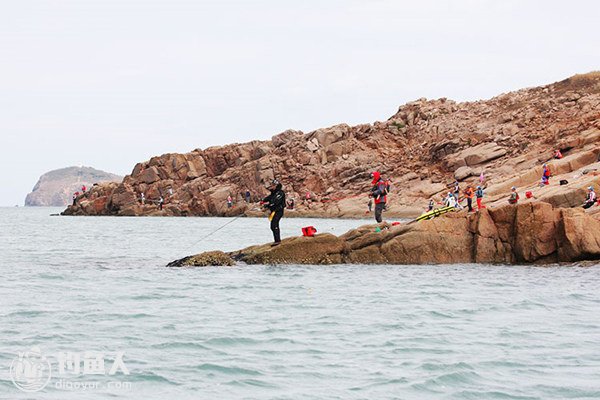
(379, 193)
(557, 154)
(545, 175)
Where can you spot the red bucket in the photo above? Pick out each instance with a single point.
(309, 231)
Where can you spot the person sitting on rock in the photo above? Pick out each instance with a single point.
(275, 202)
(545, 175)
(450, 200)
(557, 154)
(479, 195)
(590, 198)
(379, 193)
(514, 196)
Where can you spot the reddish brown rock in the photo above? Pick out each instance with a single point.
(420, 148)
(533, 232)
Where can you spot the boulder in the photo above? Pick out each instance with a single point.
(475, 155)
(579, 238)
(149, 175)
(427, 188)
(312, 145)
(336, 150)
(123, 195)
(328, 136)
(482, 153)
(286, 137)
(463, 173)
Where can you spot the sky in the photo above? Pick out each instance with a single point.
(109, 83)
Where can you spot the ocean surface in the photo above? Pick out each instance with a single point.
(88, 304)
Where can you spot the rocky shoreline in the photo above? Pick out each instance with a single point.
(423, 149)
(530, 232)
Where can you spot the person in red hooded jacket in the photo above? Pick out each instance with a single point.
(379, 193)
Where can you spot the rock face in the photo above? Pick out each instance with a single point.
(422, 148)
(531, 232)
(56, 188)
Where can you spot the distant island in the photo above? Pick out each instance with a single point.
(56, 188)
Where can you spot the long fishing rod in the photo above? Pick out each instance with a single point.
(219, 228)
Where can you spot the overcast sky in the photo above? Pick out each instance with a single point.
(108, 83)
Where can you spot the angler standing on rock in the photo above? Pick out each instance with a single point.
(479, 195)
(379, 192)
(469, 193)
(275, 202)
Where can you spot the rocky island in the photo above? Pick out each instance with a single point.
(56, 188)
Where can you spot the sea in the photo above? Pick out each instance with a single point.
(88, 310)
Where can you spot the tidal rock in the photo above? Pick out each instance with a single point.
(211, 258)
(533, 232)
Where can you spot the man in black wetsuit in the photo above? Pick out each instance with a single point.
(275, 202)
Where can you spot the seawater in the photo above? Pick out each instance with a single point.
(71, 285)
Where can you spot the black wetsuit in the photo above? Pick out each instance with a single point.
(276, 203)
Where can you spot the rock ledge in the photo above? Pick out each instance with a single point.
(531, 232)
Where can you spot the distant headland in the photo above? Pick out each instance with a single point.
(56, 188)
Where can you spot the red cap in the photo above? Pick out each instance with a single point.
(376, 176)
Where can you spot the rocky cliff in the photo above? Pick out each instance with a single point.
(531, 232)
(56, 188)
(422, 148)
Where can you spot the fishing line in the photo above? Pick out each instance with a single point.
(218, 229)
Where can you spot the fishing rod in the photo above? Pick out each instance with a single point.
(219, 228)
